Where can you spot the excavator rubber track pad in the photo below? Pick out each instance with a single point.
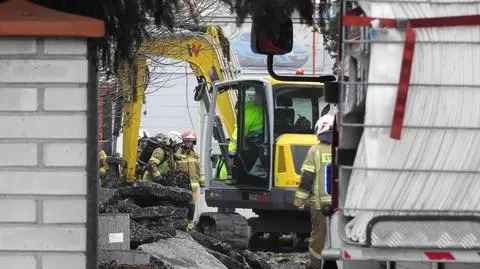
(231, 228)
(331, 92)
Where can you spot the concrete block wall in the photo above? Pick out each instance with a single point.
(43, 123)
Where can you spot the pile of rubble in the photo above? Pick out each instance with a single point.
(156, 211)
(231, 258)
(288, 260)
(158, 220)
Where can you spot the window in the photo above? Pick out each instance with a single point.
(303, 107)
(296, 109)
(249, 146)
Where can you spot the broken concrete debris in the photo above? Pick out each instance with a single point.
(156, 211)
(292, 260)
(229, 256)
(158, 220)
(181, 252)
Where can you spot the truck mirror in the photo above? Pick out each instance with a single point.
(272, 38)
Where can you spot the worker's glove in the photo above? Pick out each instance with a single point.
(202, 189)
(300, 204)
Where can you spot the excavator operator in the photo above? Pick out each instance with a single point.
(162, 159)
(312, 184)
(190, 164)
(253, 134)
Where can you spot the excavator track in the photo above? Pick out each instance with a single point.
(231, 228)
(274, 234)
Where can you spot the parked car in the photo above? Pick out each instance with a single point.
(298, 55)
(297, 58)
(246, 56)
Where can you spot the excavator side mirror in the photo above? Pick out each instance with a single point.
(272, 34)
(272, 38)
(199, 91)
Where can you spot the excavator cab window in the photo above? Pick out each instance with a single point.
(296, 109)
(252, 162)
(249, 155)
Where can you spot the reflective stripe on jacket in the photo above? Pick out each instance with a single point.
(222, 170)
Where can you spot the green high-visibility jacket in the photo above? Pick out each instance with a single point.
(223, 174)
(253, 125)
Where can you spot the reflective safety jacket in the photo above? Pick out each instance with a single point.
(190, 164)
(157, 165)
(313, 179)
(222, 168)
(102, 158)
(253, 125)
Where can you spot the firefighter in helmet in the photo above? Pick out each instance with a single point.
(161, 160)
(312, 184)
(173, 147)
(190, 164)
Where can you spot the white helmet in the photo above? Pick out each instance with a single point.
(142, 133)
(175, 138)
(323, 124)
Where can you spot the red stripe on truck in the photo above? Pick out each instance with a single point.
(435, 255)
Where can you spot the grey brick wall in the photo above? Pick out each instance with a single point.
(43, 153)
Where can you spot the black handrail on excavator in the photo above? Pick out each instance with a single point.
(321, 79)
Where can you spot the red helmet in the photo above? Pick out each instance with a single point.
(189, 136)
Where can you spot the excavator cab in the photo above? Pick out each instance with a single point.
(273, 131)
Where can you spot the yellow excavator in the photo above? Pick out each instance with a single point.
(290, 110)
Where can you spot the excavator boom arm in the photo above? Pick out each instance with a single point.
(210, 58)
